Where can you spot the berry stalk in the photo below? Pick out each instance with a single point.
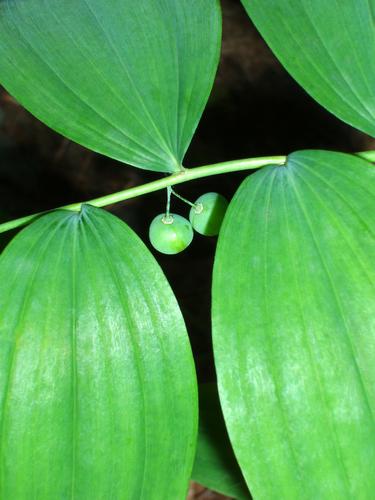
(185, 175)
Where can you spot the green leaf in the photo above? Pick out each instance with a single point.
(126, 78)
(215, 464)
(329, 48)
(4, 237)
(97, 383)
(293, 327)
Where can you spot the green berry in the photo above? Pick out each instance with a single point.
(208, 213)
(170, 234)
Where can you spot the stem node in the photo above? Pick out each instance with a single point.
(183, 175)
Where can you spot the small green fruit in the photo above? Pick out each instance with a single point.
(208, 213)
(170, 234)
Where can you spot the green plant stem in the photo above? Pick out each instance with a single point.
(173, 179)
(186, 175)
(367, 155)
(168, 207)
(182, 198)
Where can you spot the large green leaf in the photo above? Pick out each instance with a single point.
(4, 237)
(215, 465)
(294, 330)
(97, 384)
(126, 78)
(329, 47)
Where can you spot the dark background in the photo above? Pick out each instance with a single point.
(255, 109)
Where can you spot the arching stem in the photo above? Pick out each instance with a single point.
(186, 175)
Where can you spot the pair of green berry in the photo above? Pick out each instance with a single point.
(171, 233)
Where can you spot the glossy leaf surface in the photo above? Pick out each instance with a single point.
(215, 465)
(97, 384)
(329, 48)
(294, 330)
(126, 78)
